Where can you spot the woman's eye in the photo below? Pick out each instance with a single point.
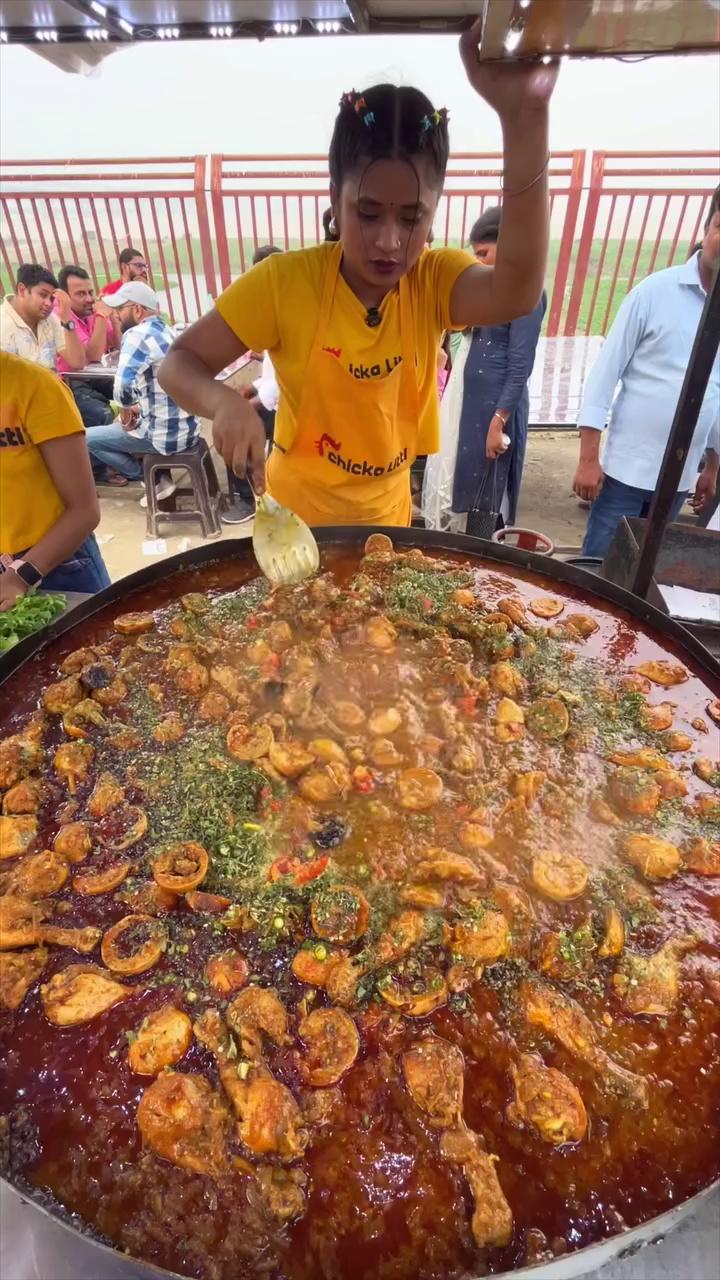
(366, 217)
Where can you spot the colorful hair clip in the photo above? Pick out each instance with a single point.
(349, 99)
(425, 124)
(359, 104)
(369, 118)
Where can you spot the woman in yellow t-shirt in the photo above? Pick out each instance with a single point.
(48, 504)
(353, 328)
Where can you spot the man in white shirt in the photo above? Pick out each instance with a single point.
(30, 328)
(647, 352)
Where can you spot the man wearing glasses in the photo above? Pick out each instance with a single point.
(132, 267)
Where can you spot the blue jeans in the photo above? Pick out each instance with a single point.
(113, 447)
(84, 571)
(614, 501)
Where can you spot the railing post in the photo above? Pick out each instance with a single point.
(204, 225)
(562, 267)
(218, 208)
(597, 169)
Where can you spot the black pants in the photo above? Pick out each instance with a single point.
(267, 416)
(94, 407)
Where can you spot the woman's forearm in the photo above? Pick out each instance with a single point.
(188, 380)
(519, 270)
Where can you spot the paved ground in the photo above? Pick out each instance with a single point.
(546, 504)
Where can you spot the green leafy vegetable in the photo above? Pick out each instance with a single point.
(27, 616)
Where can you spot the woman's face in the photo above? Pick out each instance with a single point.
(384, 214)
(485, 251)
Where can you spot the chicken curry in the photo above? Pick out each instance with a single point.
(366, 929)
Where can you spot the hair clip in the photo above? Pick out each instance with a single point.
(359, 104)
(369, 118)
(349, 99)
(425, 123)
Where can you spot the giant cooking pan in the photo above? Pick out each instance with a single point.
(86, 1254)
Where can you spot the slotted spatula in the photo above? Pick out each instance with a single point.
(284, 546)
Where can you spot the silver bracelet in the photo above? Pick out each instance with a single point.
(536, 179)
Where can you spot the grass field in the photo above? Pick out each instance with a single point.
(594, 319)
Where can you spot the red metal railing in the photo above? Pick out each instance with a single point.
(614, 219)
(86, 211)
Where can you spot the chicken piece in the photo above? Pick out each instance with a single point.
(25, 797)
(514, 610)
(19, 756)
(704, 769)
(83, 718)
(419, 789)
(63, 695)
(19, 922)
(254, 1012)
(650, 984)
(290, 758)
(186, 1122)
(565, 1022)
(227, 972)
(384, 721)
(16, 834)
(707, 806)
(528, 785)
(134, 944)
(39, 875)
(271, 1122)
(106, 795)
(404, 932)
(515, 903)
(434, 1072)
(506, 679)
(425, 896)
(18, 971)
(322, 786)
(671, 783)
(162, 1039)
(634, 791)
(482, 937)
(384, 754)
(676, 741)
(79, 658)
(658, 716)
(73, 841)
(546, 1101)
(340, 913)
(181, 867)
(702, 856)
(332, 1043)
(643, 758)
(313, 964)
(212, 1032)
(441, 864)
(169, 730)
(600, 811)
(92, 881)
(246, 742)
(80, 993)
(580, 625)
(657, 859)
(509, 721)
(548, 719)
(492, 1221)
(83, 940)
(192, 678)
(415, 995)
(112, 694)
(281, 1191)
(559, 876)
(214, 707)
(72, 761)
(613, 933)
(133, 624)
(380, 633)
(663, 672)
(348, 715)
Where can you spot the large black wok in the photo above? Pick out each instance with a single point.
(95, 1260)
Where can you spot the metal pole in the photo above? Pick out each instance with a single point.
(697, 376)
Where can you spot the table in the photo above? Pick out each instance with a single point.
(93, 371)
(558, 379)
(36, 1248)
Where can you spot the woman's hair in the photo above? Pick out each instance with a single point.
(388, 122)
(487, 227)
(332, 234)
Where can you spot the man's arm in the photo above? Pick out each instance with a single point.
(625, 334)
(68, 343)
(519, 93)
(97, 342)
(133, 362)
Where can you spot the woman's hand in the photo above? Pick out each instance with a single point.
(511, 88)
(494, 443)
(12, 589)
(239, 437)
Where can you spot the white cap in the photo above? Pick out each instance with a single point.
(137, 292)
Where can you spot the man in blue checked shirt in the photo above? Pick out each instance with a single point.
(644, 360)
(150, 422)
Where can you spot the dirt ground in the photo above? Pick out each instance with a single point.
(547, 504)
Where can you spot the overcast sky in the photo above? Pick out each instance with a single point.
(282, 95)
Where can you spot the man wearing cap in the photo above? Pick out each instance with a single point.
(150, 422)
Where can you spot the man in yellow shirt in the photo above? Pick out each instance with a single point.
(353, 328)
(48, 504)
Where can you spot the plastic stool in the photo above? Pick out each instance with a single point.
(203, 487)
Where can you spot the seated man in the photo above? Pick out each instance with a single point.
(150, 422)
(28, 325)
(132, 267)
(98, 329)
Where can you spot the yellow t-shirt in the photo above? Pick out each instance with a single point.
(35, 406)
(275, 307)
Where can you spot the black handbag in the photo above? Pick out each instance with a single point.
(484, 521)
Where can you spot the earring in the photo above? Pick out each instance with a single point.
(333, 226)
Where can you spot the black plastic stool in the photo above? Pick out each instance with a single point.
(203, 487)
